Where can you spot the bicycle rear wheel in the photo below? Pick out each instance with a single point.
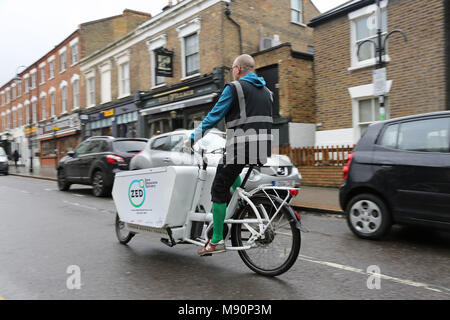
(275, 252)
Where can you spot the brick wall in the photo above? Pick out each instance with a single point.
(321, 176)
(417, 67)
(296, 82)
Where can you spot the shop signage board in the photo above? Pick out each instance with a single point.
(164, 62)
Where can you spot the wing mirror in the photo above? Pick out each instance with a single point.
(71, 153)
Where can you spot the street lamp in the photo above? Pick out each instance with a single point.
(380, 49)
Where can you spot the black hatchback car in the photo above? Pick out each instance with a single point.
(96, 161)
(399, 173)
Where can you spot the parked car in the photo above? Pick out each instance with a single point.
(167, 150)
(3, 162)
(95, 162)
(399, 173)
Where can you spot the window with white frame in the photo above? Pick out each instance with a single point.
(76, 93)
(13, 89)
(364, 26)
(123, 66)
(51, 68)
(52, 104)
(368, 112)
(64, 98)
(19, 115)
(33, 80)
(297, 11)
(2, 94)
(90, 91)
(192, 55)
(34, 110)
(43, 106)
(74, 48)
(19, 88)
(26, 83)
(63, 61)
(8, 95)
(14, 116)
(63, 89)
(124, 80)
(27, 112)
(3, 121)
(189, 34)
(105, 82)
(42, 73)
(8, 116)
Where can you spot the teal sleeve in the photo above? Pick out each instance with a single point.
(217, 113)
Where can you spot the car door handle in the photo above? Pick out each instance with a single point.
(166, 159)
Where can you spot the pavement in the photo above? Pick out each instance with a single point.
(315, 199)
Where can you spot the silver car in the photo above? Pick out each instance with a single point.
(167, 150)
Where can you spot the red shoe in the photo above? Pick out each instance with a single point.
(210, 248)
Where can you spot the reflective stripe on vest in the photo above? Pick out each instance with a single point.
(243, 110)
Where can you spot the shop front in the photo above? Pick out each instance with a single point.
(56, 137)
(182, 106)
(119, 120)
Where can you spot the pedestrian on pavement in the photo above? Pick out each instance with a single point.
(246, 104)
(16, 157)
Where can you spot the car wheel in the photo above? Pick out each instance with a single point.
(98, 184)
(63, 184)
(368, 217)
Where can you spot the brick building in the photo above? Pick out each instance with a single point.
(417, 71)
(39, 109)
(123, 95)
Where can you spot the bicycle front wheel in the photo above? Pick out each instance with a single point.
(276, 251)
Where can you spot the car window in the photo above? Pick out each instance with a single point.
(161, 144)
(129, 146)
(94, 147)
(430, 135)
(81, 149)
(104, 146)
(177, 142)
(2, 152)
(389, 138)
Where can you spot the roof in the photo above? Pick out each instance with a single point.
(343, 9)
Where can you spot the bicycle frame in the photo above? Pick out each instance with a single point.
(262, 221)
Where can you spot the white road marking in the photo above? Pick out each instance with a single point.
(382, 276)
(78, 195)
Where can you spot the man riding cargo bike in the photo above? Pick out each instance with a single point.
(260, 223)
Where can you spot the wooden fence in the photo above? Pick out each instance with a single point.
(317, 156)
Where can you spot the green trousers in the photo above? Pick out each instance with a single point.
(219, 211)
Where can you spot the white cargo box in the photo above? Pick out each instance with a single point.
(158, 197)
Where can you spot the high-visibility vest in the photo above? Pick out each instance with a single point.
(249, 124)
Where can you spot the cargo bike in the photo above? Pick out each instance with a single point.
(175, 202)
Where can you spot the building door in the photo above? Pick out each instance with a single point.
(270, 74)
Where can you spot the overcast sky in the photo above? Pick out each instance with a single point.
(31, 28)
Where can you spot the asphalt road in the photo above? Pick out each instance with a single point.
(47, 236)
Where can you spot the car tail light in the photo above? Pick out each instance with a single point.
(346, 169)
(293, 192)
(114, 159)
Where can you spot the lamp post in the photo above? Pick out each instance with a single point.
(380, 50)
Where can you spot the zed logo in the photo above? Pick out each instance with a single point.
(136, 193)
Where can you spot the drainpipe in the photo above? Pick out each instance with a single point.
(228, 14)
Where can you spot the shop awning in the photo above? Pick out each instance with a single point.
(179, 104)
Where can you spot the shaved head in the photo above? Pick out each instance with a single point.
(246, 62)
